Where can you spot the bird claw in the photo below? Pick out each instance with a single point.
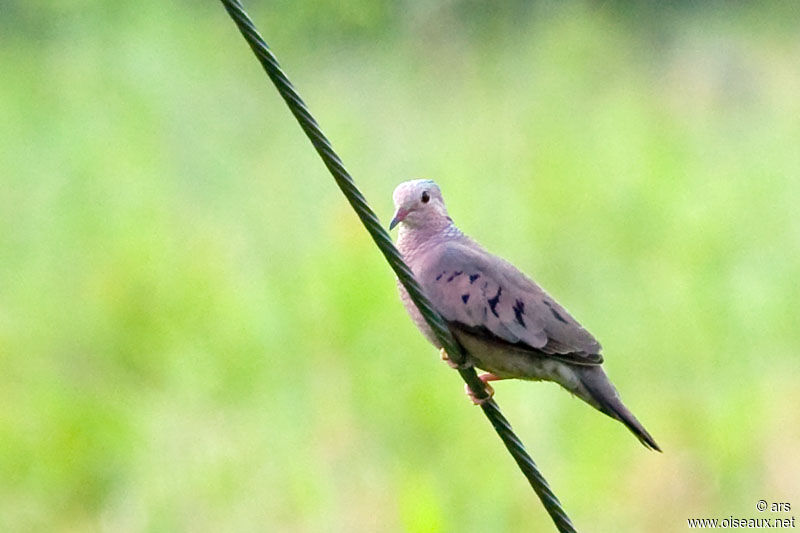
(488, 389)
(446, 359)
(479, 401)
(451, 363)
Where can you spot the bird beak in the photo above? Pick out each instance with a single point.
(399, 216)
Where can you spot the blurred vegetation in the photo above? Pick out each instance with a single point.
(197, 335)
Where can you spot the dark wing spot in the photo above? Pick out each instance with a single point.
(519, 310)
(555, 313)
(558, 316)
(473, 277)
(465, 298)
(454, 276)
(494, 300)
(440, 275)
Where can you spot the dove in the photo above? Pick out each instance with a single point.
(507, 325)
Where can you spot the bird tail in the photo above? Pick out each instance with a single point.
(603, 396)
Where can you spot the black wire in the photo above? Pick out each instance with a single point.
(392, 255)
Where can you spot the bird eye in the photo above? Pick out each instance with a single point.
(425, 197)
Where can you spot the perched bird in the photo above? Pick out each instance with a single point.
(506, 323)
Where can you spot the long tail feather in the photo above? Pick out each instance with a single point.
(605, 398)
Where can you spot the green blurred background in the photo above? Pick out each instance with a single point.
(196, 334)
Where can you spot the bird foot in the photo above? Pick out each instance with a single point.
(452, 364)
(487, 388)
(446, 359)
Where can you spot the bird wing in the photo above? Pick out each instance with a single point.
(484, 294)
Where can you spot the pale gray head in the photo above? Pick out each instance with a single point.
(419, 203)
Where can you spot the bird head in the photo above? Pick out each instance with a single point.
(417, 203)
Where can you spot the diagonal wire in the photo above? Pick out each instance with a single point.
(392, 255)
